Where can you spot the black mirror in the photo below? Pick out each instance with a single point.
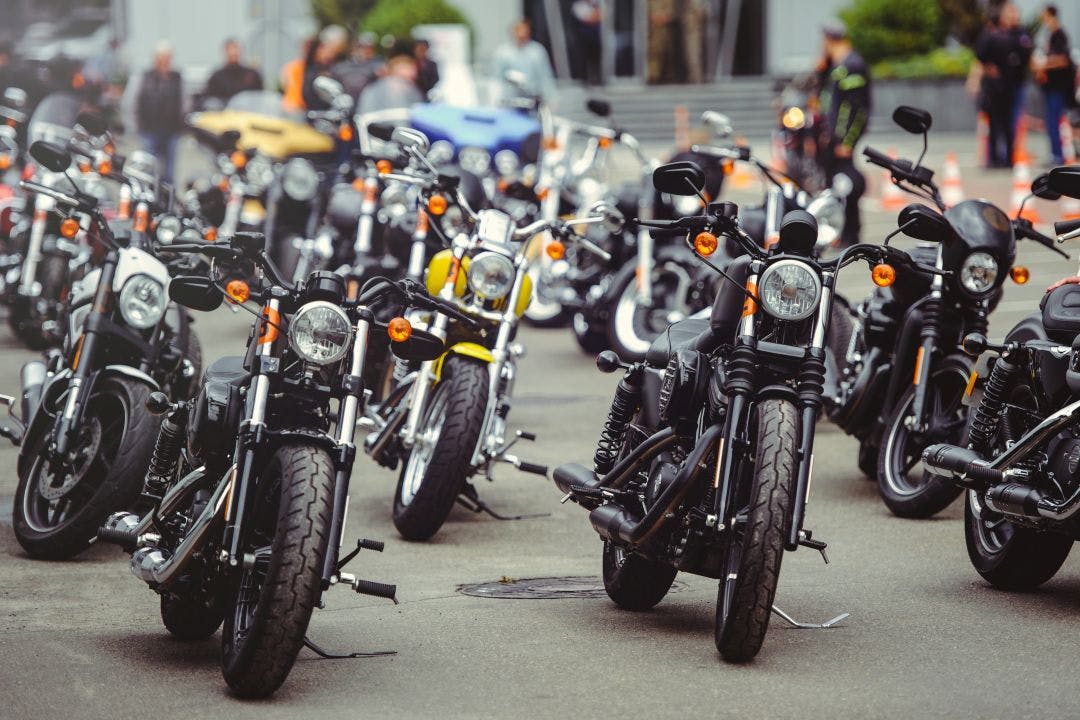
(598, 107)
(51, 156)
(679, 178)
(421, 345)
(229, 139)
(92, 123)
(915, 120)
(1040, 188)
(195, 292)
(923, 223)
(798, 232)
(1065, 181)
(381, 130)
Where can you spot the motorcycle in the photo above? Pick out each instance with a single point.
(83, 436)
(902, 376)
(799, 132)
(719, 486)
(1017, 463)
(244, 501)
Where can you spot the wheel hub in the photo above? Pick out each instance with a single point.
(72, 469)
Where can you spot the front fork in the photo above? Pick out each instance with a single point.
(931, 331)
(43, 205)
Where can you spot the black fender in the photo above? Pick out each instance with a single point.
(1030, 328)
(779, 391)
(908, 341)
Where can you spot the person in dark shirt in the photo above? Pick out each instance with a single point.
(427, 72)
(232, 77)
(1056, 75)
(324, 55)
(159, 108)
(361, 68)
(1002, 53)
(1021, 46)
(845, 103)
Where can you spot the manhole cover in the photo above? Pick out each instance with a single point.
(543, 588)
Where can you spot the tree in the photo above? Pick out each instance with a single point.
(398, 17)
(964, 19)
(882, 29)
(347, 13)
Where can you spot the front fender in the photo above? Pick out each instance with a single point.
(465, 349)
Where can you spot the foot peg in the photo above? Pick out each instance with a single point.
(809, 626)
(367, 587)
(362, 544)
(531, 468)
(806, 539)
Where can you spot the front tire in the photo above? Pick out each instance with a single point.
(744, 601)
(439, 462)
(266, 625)
(590, 339)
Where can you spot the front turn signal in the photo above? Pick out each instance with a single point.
(705, 243)
(211, 234)
(883, 275)
(1020, 274)
(437, 205)
(238, 291)
(384, 167)
(555, 250)
(399, 329)
(238, 159)
(69, 228)
(345, 132)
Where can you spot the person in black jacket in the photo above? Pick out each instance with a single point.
(324, 55)
(159, 108)
(427, 72)
(845, 102)
(1056, 75)
(232, 77)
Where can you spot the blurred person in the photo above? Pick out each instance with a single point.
(1021, 47)
(845, 104)
(427, 72)
(997, 94)
(662, 41)
(292, 78)
(397, 88)
(361, 67)
(106, 74)
(1055, 74)
(159, 108)
(324, 55)
(694, 21)
(525, 55)
(233, 77)
(587, 17)
(8, 71)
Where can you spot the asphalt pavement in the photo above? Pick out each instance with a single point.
(926, 636)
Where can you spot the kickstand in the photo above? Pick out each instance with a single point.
(333, 656)
(809, 626)
(470, 500)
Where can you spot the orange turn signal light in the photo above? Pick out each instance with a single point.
(542, 193)
(604, 143)
(883, 275)
(1020, 274)
(437, 205)
(5, 161)
(211, 234)
(238, 158)
(551, 143)
(69, 228)
(104, 167)
(384, 167)
(238, 291)
(705, 243)
(345, 132)
(85, 167)
(399, 329)
(555, 250)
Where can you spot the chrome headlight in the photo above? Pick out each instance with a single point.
(299, 180)
(506, 162)
(978, 272)
(440, 152)
(475, 160)
(319, 333)
(168, 228)
(789, 290)
(828, 210)
(259, 171)
(395, 201)
(686, 205)
(453, 221)
(142, 301)
(491, 275)
(794, 118)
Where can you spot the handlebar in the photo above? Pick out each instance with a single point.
(1066, 227)
(1024, 229)
(740, 153)
(902, 170)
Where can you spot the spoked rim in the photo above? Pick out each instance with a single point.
(904, 472)
(252, 579)
(427, 437)
(54, 496)
(992, 530)
(637, 325)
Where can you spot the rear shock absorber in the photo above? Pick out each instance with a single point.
(166, 457)
(624, 406)
(988, 414)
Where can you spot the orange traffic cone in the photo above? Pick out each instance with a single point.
(1020, 153)
(1070, 208)
(952, 188)
(1068, 152)
(892, 197)
(982, 138)
(1021, 188)
(682, 128)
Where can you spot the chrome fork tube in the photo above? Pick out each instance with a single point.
(644, 266)
(351, 404)
(43, 205)
(746, 325)
(262, 382)
(418, 249)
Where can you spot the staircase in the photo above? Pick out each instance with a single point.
(647, 111)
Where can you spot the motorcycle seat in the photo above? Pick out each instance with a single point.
(1061, 313)
(689, 334)
(229, 370)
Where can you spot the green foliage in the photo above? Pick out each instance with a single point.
(882, 29)
(399, 17)
(938, 63)
(347, 13)
(964, 19)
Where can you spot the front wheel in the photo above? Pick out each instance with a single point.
(744, 601)
(907, 489)
(590, 339)
(288, 537)
(439, 462)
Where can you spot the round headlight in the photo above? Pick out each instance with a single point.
(829, 213)
(259, 171)
(686, 205)
(142, 301)
(978, 272)
(789, 290)
(491, 275)
(453, 221)
(319, 333)
(440, 152)
(506, 162)
(168, 228)
(299, 179)
(474, 159)
(794, 118)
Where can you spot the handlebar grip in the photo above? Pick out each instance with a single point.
(878, 158)
(1064, 227)
(532, 468)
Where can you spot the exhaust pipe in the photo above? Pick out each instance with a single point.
(961, 464)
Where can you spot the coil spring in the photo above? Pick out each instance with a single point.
(166, 457)
(988, 414)
(624, 406)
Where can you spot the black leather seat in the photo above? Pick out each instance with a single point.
(689, 334)
(229, 369)
(1061, 313)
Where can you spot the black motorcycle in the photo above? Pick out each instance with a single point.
(1020, 459)
(901, 378)
(718, 486)
(84, 437)
(244, 502)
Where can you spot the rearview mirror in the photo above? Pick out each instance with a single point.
(195, 292)
(1065, 181)
(92, 123)
(327, 88)
(408, 137)
(381, 130)
(679, 178)
(719, 122)
(598, 107)
(923, 223)
(229, 139)
(1040, 188)
(15, 97)
(51, 156)
(915, 120)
